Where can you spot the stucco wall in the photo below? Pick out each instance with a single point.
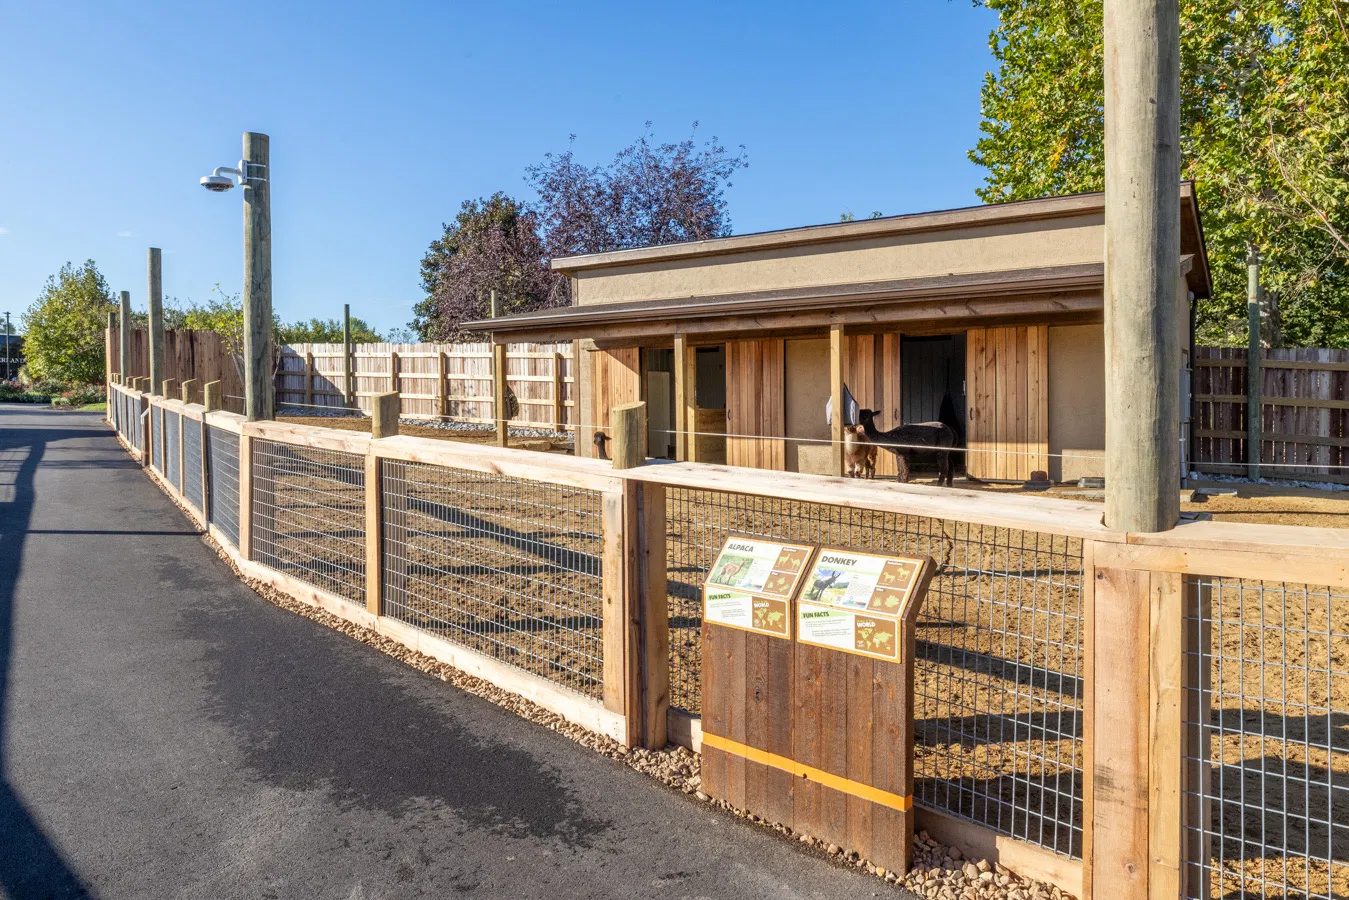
(807, 390)
(1076, 401)
(1022, 245)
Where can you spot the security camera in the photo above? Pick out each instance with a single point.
(217, 183)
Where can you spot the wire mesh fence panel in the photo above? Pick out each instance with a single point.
(998, 677)
(1266, 751)
(172, 470)
(309, 515)
(508, 567)
(137, 430)
(222, 474)
(192, 474)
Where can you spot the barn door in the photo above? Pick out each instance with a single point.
(755, 404)
(1007, 427)
(615, 378)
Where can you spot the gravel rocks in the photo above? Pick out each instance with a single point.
(442, 424)
(939, 872)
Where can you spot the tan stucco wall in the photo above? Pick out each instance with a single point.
(807, 390)
(1022, 245)
(1076, 401)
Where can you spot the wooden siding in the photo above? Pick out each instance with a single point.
(1007, 421)
(616, 378)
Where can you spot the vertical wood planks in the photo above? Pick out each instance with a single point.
(836, 351)
(1007, 421)
(683, 386)
(374, 537)
(756, 404)
(245, 496)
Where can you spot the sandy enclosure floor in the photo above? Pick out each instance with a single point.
(512, 568)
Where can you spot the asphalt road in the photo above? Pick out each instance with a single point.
(164, 732)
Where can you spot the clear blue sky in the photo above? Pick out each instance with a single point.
(385, 116)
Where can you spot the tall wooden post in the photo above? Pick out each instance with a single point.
(1135, 665)
(348, 378)
(443, 384)
(838, 417)
(1142, 263)
(559, 411)
(154, 305)
(257, 298)
(124, 336)
(500, 408)
(309, 378)
(1253, 379)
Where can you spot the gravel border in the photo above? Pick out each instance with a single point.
(939, 872)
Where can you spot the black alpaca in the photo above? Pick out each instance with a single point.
(937, 435)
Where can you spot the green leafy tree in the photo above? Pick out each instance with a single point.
(328, 331)
(64, 328)
(1265, 125)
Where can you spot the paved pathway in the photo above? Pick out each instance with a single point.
(164, 732)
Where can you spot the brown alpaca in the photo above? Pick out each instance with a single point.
(859, 453)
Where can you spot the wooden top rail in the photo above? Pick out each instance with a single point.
(228, 421)
(312, 436)
(1044, 514)
(592, 474)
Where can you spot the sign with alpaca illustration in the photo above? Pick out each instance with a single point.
(751, 583)
(856, 602)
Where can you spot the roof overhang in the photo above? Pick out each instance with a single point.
(1062, 291)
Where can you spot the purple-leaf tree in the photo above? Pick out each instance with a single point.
(493, 244)
(649, 194)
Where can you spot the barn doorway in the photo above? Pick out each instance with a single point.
(931, 370)
(658, 379)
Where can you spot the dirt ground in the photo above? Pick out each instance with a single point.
(512, 569)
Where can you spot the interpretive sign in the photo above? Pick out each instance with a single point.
(856, 602)
(751, 584)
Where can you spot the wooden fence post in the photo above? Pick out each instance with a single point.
(559, 411)
(211, 396)
(838, 416)
(500, 406)
(393, 373)
(188, 387)
(308, 378)
(682, 389)
(1253, 380)
(169, 387)
(384, 412)
(1135, 701)
(245, 496)
(629, 435)
(374, 531)
(443, 384)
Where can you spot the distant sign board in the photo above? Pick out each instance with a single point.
(751, 584)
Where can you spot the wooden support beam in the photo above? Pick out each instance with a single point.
(683, 388)
(348, 375)
(206, 499)
(188, 389)
(308, 379)
(443, 383)
(259, 388)
(154, 306)
(500, 404)
(648, 532)
(838, 417)
(384, 412)
(124, 336)
(170, 387)
(629, 435)
(1253, 380)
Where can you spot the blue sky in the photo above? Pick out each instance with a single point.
(385, 116)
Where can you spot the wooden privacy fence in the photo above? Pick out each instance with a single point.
(1123, 715)
(1304, 413)
(435, 380)
(188, 355)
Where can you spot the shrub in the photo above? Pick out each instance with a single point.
(82, 395)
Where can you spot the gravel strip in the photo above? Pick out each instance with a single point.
(939, 872)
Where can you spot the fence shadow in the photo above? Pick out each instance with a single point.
(30, 863)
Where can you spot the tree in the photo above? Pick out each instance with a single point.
(223, 314)
(1265, 135)
(64, 328)
(493, 244)
(327, 331)
(650, 194)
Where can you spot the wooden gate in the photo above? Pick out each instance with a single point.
(1007, 370)
(616, 378)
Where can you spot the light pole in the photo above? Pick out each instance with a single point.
(8, 364)
(253, 174)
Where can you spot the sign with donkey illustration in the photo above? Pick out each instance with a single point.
(857, 602)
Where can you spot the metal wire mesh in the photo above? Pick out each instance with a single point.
(998, 690)
(172, 463)
(157, 438)
(1266, 752)
(192, 474)
(309, 515)
(137, 433)
(222, 475)
(508, 567)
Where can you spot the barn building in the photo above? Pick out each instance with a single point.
(737, 343)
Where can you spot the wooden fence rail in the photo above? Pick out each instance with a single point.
(1304, 413)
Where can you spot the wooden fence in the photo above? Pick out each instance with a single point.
(452, 381)
(435, 380)
(1116, 706)
(1304, 413)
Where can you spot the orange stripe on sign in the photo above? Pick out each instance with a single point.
(810, 773)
